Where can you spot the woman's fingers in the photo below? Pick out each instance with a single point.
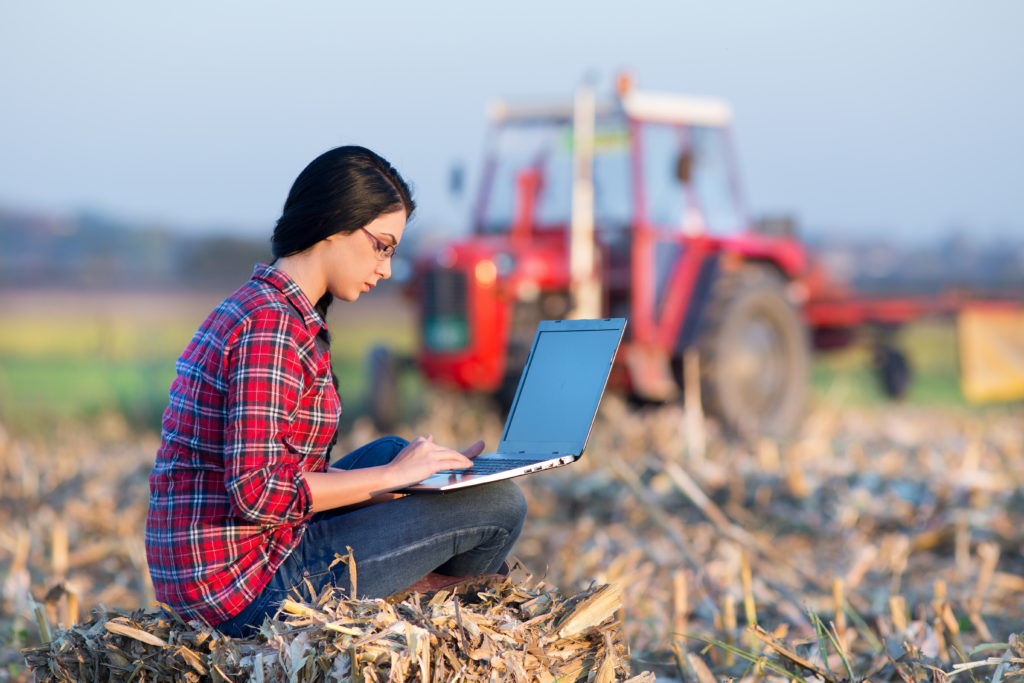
(458, 459)
(422, 458)
(474, 450)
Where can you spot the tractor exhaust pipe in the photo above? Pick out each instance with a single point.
(584, 285)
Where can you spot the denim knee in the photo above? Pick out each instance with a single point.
(378, 452)
(506, 502)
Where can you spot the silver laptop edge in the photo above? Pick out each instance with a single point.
(542, 454)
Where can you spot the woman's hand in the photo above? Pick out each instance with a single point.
(474, 450)
(368, 485)
(422, 458)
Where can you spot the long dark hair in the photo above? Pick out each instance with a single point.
(342, 190)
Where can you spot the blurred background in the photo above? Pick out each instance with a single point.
(145, 151)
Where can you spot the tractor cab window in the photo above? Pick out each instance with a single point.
(686, 180)
(542, 153)
(543, 149)
(661, 147)
(713, 181)
(613, 185)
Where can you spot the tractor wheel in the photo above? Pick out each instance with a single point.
(893, 370)
(755, 355)
(382, 388)
(515, 361)
(525, 318)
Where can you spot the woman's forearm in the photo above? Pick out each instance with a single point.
(421, 458)
(337, 488)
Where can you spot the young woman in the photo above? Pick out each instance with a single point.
(243, 507)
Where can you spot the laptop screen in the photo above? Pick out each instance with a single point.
(561, 388)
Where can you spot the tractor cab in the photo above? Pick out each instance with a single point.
(661, 160)
(627, 206)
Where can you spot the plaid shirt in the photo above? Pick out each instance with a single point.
(253, 406)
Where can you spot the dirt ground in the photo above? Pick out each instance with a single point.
(910, 520)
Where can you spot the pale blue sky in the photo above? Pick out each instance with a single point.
(876, 117)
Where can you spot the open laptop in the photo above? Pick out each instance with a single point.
(554, 407)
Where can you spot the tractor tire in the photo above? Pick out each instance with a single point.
(382, 388)
(892, 370)
(515, 362)
(754, 355)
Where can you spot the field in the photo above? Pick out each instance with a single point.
(900, 520)
(82, 356)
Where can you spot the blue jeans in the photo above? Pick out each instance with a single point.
(395, 543)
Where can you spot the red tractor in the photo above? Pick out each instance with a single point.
(631, 207)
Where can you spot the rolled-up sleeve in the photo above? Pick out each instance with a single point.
(266, 380)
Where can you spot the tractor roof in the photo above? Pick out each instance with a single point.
(645, 106)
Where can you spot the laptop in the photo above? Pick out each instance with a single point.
(554, 407)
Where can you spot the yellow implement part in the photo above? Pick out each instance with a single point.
(991, 342)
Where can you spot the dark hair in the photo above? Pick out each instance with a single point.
(342, 190)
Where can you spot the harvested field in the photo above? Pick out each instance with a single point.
(496, 631)
(881, 542)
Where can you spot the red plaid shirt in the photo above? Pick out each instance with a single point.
(252, 408)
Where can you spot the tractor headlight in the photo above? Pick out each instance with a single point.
(486, 272)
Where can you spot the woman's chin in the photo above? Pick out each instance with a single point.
(352, 293)
(347, 296)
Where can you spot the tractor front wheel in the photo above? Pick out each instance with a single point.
(754, 354)
(382, 388)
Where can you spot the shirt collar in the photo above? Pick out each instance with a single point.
(287, 286)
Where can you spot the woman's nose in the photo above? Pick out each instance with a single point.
(384, 268)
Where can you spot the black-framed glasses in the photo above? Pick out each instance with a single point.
(382, 249)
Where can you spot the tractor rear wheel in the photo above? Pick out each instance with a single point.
(754, 354)
(382, 388)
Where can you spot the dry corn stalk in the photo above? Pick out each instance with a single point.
(524, 632)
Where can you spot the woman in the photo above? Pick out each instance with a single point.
(243, 507)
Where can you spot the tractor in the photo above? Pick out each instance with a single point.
(630, 206)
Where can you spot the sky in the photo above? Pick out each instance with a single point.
(870, 117)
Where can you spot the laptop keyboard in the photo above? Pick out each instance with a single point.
(490, 466)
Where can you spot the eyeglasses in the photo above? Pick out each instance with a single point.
(383, 249)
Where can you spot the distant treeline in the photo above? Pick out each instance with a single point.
(992, 267)
(92, 251)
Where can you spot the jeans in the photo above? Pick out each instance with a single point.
(394, 543)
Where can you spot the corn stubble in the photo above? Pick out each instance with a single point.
(505, 631)
(882, 544)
